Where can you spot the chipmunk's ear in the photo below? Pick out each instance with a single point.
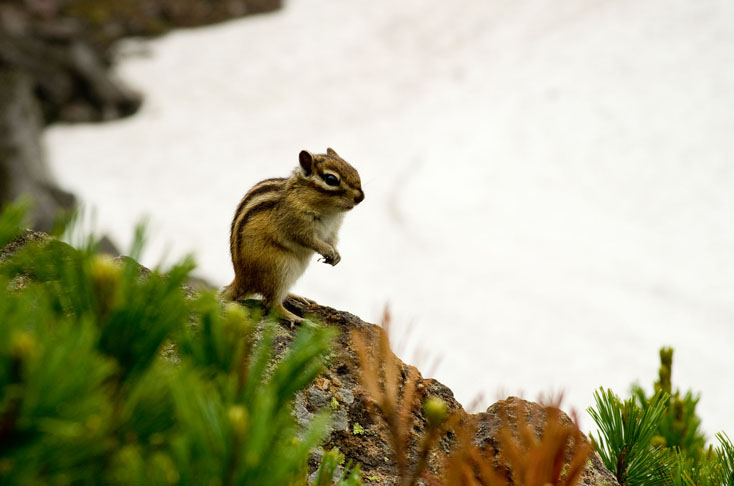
(332, 152)
(307, 161)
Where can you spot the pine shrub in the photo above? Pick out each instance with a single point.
(657, 440)
(111, 374)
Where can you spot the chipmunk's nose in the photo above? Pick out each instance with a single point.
(359, 197)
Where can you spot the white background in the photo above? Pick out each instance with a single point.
(549, 185)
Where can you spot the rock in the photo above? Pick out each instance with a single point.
(54, 66)
(69, 75)
(64, 47)
(365, 440)
(33, 237)
(23, 168)
(110, 20)
(505, 413)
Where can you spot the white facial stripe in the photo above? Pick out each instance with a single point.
(326, 186)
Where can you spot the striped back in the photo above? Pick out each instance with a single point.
(263, 196)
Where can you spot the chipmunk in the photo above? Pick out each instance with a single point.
(281, 222)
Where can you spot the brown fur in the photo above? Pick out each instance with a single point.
(280, 223)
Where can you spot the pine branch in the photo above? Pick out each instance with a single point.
(624, 438)
(726, 454)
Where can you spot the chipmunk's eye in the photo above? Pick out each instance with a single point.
(331, 179)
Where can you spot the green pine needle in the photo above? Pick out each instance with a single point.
(624, 438)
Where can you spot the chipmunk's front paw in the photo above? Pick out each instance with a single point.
(332, 258)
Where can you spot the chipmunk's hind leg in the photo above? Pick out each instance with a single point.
(274, 298)
(235, 292)
(285, 315)
(278, 311)
(229, 292)
(304, 301)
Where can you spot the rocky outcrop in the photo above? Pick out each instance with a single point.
(365, 440)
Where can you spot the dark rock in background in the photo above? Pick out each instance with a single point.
(23, 168)
(64, 46)
(110, 20)
(55, 59)
(69, 75)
